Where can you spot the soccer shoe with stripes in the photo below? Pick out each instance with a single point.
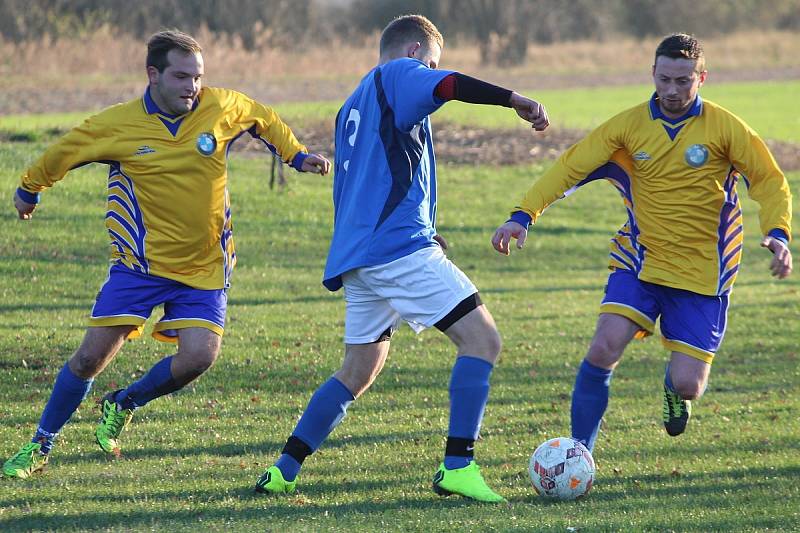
(467, 482)
(112, 422)
(25, 462)
(676, 412)
(272, 482)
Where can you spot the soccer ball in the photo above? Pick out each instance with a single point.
(562, 468)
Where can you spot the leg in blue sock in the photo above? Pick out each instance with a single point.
(69, 391)
(157, 382)
(589, 402)
(325, 411)
(469, 391)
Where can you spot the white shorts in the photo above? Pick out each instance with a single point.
(420, 288)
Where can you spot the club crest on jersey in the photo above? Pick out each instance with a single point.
(696, 155)
(642, 156)
(206, 143)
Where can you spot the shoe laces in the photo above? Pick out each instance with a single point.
(25, 455)
(114, 418)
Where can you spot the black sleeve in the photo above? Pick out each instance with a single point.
(475, 91)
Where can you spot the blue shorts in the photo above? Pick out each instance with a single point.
(691, 323)
(128, 298)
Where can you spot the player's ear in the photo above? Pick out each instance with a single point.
(413, 49)
(703, 76)
(152, 74)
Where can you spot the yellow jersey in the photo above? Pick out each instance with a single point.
(678, 180)
(168, 208)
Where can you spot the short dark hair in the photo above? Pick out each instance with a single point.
(682, 46)
(407, 28)
(162, 42)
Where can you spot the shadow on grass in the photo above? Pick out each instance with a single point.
(626, 494)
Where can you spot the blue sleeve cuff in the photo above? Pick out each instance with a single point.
(29, 197)
(297, 161)
(779, 234)
(520, 217)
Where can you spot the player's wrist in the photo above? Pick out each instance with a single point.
(28, 197)
(522, 218)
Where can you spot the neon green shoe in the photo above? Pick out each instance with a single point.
(676, 413)
(111, 424)
(272, 482)
(26, 461)
(467, 482)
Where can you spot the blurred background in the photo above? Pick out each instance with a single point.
(70, 55)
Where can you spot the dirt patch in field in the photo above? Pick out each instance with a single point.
(463, 145)
(455, 144)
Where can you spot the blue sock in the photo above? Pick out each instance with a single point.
(469, 391)
(157, 382)
(668, 379)
(589, 402)
(69, 391)
(325, 411)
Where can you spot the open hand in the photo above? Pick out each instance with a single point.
(317, 164)
(503, 235)
(781, 265)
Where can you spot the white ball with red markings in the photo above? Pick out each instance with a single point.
(562, 469)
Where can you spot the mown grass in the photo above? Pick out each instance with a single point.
(770, 108)
(190, 460)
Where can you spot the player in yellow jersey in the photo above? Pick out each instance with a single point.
(676, 160)
(169, 224)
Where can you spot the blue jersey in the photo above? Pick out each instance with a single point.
(384, 187)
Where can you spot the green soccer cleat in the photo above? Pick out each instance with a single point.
(467, 482)
(272, 482)
(111, 424)
(676, 412)
(26, 461)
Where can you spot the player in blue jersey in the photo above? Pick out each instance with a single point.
(170, 229)
(676, 159)
(386, 253)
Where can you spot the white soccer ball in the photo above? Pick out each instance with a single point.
(562, 468)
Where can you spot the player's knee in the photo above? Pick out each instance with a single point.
(688, 389)
(603, 353)
(198, 360)
(494, 345)
(85, 364)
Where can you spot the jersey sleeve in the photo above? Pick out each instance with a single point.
(574, 165)
(78, 147)
(269, 127)
(766, 184)
(409, 87)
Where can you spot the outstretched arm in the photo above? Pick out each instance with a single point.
(457, 86)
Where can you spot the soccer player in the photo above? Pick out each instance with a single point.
(386, 253)
(676, 160)
(169, 224)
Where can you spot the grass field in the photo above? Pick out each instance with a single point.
(190, 460)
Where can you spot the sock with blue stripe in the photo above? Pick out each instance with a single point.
(589, 402)
(69, 391)
(668, 379)
(469, 392)
(325, 411)
(157, 382)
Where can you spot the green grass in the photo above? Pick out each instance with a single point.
(192, 459)
(771, 108)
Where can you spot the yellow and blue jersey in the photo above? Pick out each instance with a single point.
(678, 180)
(168, 211)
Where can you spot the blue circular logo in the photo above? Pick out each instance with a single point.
(696, 155)
(206, 143)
